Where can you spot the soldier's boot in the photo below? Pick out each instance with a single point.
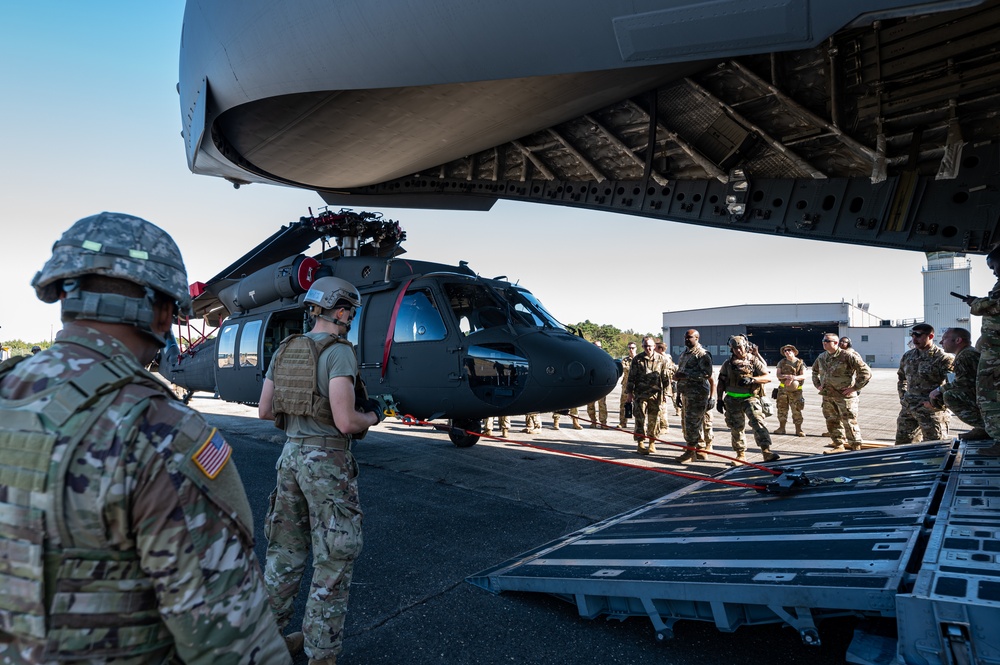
(652, 447)
(295, 642)
(555, 424)
(741, 457)
(702, 453)
(837, 448)
(781, 428)
(503, 433)
(640, 449)
(688, 457)
(856, 445)
(487, 432)
(992, 451)
(975, 434)
(798, 430)
(576, 424)
(769, 456)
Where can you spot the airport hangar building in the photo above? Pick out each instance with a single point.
(880, 342)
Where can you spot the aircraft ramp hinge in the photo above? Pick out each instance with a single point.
(801, 621)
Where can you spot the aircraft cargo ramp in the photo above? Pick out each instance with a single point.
(906, 532)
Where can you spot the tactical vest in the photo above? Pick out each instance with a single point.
(296, 389)
(78, 603)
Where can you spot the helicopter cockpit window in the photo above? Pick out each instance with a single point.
(249, 343)
(476, 307)
(526, 304)
(226, 346)
(418, 319)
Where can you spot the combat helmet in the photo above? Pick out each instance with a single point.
(120, 246)
(326, 292)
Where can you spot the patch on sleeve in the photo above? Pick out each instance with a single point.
(213, 454)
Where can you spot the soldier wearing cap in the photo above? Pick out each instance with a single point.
(839, 375)
(125, 530)
(791, 373)
(922, 369)
(311, 390)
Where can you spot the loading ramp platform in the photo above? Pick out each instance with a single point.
(909, 532)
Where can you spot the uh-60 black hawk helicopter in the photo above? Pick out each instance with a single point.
(435, 341)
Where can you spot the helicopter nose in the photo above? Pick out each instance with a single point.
(575, 370)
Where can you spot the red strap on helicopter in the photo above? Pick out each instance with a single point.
(392, 326)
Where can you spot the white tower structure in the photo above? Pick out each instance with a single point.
(946, 272)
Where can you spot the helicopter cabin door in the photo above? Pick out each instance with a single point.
(239, 374)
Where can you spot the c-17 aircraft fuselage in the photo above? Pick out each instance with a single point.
(439, 340)
(862, 121)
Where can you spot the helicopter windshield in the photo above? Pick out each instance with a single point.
(529, 307)
(476, 307)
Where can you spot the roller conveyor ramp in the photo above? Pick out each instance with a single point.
(908, 532)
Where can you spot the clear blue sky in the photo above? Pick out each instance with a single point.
(92, 123)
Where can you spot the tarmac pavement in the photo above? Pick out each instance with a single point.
(436, 514)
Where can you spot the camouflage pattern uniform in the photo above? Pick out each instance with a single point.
(532, 423)
(831, 374)
(790, 395)
(573, 414)
(598, 408)
(988, 372)
(153, 535)
(919, 373)
(742, 403)
(959, 391)
(648, 379)
(696, 366)
(315, 505)
(622, 420)
(488, 425)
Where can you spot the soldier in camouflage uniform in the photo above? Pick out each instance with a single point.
(791, 373)
(740, 387)
(839, 374)
(504, 425)
(311, 389)
(532, 423)
(669, 394)
(597, 411)
(626, 363)
(959, 391)
(125, 532)
(921, 369)
(648, 378)
(988, 372)
(696, 386)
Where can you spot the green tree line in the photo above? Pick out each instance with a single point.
(17, 347)
(612, 339)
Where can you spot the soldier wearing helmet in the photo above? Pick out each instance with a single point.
(310, 390)
(36, 350)
(126, 496)
(740, 388)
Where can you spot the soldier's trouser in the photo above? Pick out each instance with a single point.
(647, 417)
(532, 421)
(988, 392)
(914, 416)
(622, 420)
(317, 486)
(600, 407)
(664, 425)
(488, 423)
(740, 411)
(693, 411)
(965, 408)
(841, 415)
(790, 400)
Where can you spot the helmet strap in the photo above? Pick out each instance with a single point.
(110, 308)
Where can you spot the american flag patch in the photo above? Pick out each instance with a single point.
(213, 454)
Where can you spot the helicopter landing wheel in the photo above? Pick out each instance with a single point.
(460, 432)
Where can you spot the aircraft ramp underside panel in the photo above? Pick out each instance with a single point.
(847, 543)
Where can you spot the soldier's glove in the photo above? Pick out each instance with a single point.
(711, 404)
(721, 406)
(746, 381)
(374, 406)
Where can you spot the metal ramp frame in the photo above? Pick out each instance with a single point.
(867, 536)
